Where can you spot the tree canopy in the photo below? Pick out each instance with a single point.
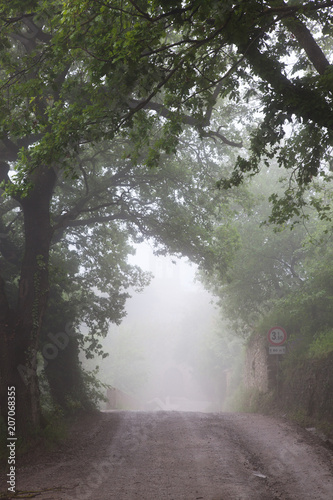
(273, 55)
(82, 71)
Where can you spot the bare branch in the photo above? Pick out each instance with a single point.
(216, 134)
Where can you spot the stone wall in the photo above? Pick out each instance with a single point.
(119, 400)
(260, 367)
(307, 386)
(300, 385)
(256, 365)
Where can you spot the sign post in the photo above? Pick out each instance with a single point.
(277, 337)
(281, 349)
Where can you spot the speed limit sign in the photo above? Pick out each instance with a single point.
(277, 335)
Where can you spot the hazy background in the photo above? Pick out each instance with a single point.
(165, 353)
(171, 351)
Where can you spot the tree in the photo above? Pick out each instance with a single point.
(75, 73)
(88, 290)
(277, 275)
(114, 200)
(266, 262)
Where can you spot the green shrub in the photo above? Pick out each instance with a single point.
(250, 400)
(322, 345)
(95, 389)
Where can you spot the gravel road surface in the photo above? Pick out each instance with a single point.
(180, 456)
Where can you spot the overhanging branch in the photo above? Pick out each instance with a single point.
(187, 120)
(306, 40)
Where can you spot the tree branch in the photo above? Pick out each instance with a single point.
(97, 219)
(4, 169)
(35, 30)
(307, 42)
(217, 135)
(293, 9)
(294, 98)
(186, 119)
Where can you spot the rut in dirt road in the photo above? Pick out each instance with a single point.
(189, 456)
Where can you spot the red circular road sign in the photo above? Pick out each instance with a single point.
(277, 335)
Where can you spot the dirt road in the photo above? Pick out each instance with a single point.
(175, 456)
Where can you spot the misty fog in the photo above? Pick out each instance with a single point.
(162, 354)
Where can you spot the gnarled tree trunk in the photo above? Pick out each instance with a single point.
(20, 329)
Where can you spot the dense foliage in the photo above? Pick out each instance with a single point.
(279, 275)
(180, 57)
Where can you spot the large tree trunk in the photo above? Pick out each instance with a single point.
(20, 335)
(6, 347)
